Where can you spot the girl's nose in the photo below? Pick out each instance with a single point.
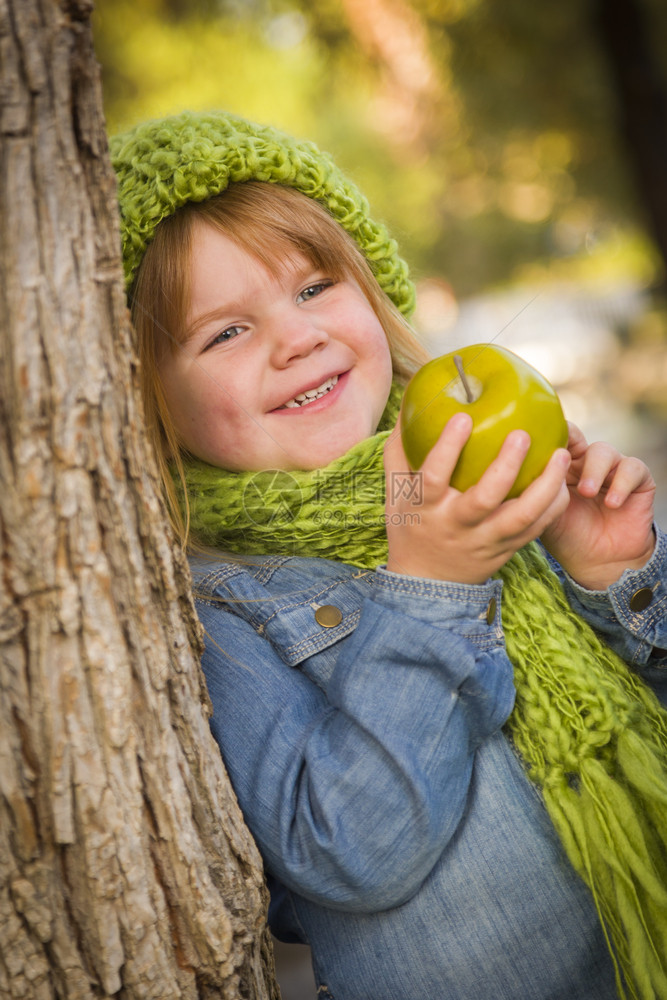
(295, 337)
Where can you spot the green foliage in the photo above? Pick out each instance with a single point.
(485, 134)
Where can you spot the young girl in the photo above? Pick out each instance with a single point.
(451, 803)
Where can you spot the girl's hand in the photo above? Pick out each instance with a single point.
(438, 532)
(608, 524)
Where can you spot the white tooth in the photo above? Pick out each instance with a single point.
(304, 398)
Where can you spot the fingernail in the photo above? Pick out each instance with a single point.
(521, 440)
(461, 421)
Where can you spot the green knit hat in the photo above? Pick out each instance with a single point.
(191, 156)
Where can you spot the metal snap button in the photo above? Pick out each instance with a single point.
(491, 611)
(328, 616)
(641, 599)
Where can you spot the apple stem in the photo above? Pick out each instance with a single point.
(466, 385)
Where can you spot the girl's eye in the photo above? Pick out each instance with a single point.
(312, 290)
(224, 336)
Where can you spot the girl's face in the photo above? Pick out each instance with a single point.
(276, 372)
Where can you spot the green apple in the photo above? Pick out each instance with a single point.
(501, 392)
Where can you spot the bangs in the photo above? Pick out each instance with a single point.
(274, 224)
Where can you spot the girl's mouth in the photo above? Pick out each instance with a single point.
(311, 395)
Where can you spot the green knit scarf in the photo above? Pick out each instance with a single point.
(589, 733)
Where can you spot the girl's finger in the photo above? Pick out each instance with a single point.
(631, 476)
(548, 492)
(600, 461)
(576, 442)
(394, 456)
(440, 462)
(499, 477)
(557, 507)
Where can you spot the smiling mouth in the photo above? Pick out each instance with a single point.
(304, 398)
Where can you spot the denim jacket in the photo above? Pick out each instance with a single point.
(360, 716)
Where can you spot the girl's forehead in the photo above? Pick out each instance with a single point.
(212, 246)
(280, 256)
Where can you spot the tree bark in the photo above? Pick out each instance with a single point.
(125, 867)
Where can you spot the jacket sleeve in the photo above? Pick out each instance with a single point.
(353, 788)
(631, 615)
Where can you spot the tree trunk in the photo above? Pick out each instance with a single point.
(641, 91)
(125, 866)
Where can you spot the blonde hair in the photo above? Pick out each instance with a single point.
(272, 223)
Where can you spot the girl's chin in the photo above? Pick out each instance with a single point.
(290, 455)
(324, 456)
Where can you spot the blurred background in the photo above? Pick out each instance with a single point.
(518, 152)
